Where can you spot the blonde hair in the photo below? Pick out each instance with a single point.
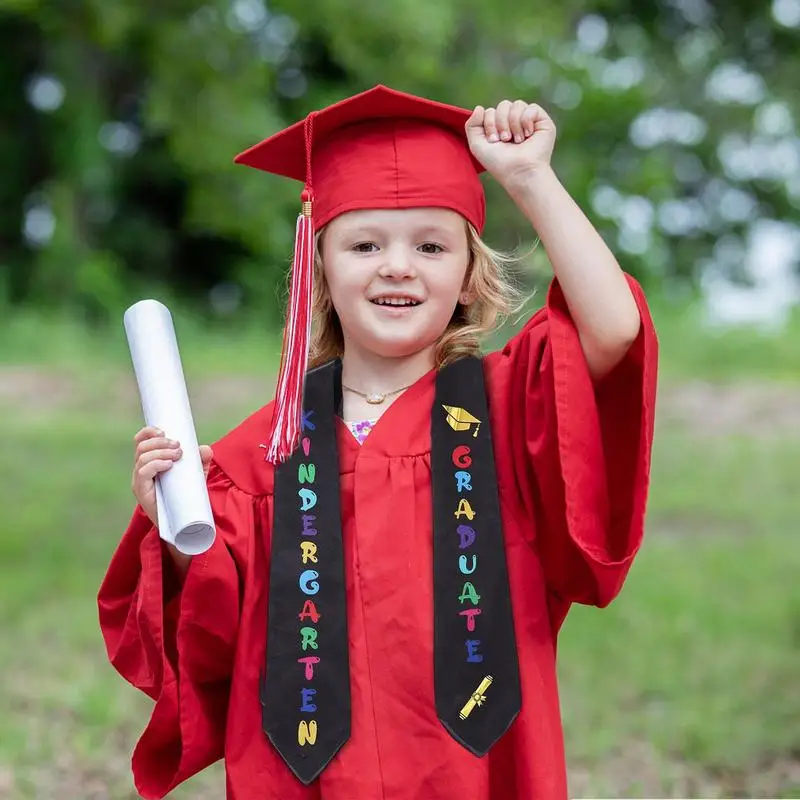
(488, 284)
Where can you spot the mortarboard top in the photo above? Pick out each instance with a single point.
(378, 149)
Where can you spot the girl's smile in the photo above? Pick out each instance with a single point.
(397, 301)
(395, 310)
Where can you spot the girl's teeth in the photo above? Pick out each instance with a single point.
(382, 301)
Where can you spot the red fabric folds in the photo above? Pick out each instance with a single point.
(581, 452)
(176, 643)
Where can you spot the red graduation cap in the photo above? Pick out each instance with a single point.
(378, 149)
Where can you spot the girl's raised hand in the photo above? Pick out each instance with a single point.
(155, 454)
(512, 140)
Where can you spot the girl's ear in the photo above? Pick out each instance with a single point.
(467, 296)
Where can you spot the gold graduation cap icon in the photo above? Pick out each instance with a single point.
(459, 419)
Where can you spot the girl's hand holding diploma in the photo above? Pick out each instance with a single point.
(154, 454)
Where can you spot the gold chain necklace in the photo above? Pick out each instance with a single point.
(376, 398)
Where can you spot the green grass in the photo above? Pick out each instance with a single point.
(685, 686)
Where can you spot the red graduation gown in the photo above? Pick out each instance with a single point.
(572, 464)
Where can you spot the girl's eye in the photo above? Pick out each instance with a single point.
(365, 247)
(429, 248)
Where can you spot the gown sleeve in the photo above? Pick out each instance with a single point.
(176, 642)
(581, 449)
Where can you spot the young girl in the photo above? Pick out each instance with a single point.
(401, 534)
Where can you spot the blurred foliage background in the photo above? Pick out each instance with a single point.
(121, 119)
(678, 135)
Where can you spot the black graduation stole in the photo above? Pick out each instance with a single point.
(476, 672)
(305, 691)
(306, 687)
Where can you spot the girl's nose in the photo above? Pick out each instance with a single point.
(398, 263)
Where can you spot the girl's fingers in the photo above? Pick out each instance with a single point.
(528, 119)
(147, 433)
(149, 471)
(490, 126)
(515, 120)
(501, 121)
(206, 454)
(476, 120)
(535, 117)
(157, 455)
(156, 443)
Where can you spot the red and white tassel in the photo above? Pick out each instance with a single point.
(287, 414)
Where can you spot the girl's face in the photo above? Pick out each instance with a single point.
(395, 276)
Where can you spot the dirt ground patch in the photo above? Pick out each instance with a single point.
(753, 409)
(38, 390)
(32, 387)
(637, 770)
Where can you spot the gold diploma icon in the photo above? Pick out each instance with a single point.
(478, 697)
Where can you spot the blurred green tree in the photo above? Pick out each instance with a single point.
(121, 118)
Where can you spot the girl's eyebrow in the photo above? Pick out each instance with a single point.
(434, 230)
(362, 230)
(424, 231)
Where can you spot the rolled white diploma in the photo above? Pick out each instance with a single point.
(184, 509)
